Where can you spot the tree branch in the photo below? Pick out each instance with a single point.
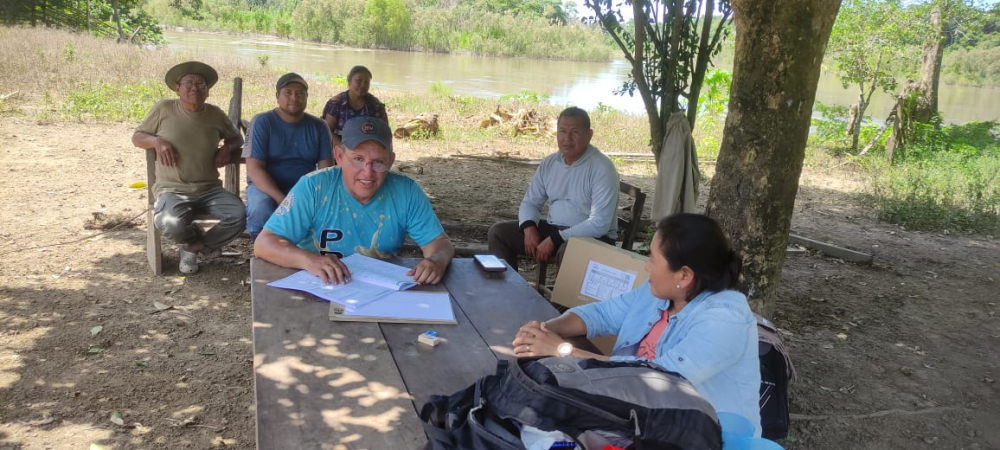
(701, 64)
(601, 18)
(878, 66)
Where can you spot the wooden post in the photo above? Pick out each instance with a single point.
(232, 182)
(154, 253)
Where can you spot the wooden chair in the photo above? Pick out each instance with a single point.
(628, 229)
(154, 251)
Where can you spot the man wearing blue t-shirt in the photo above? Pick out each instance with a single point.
(286, 143)
(358, 207)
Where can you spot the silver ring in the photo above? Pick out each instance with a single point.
(527, 347)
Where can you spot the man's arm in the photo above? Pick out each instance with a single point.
(325, 145)
(530, 212)
(534, 198)
(165, 152)
(603, 207)
(278, 250)
(229, 146)
(437, 255)
(257, 173)
(257, 162)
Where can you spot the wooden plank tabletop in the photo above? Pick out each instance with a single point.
(321, 384)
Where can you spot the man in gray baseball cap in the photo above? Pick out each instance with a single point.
(358, 207)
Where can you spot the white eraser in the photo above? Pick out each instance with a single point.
(428, 339)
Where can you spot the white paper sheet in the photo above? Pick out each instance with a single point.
(604, 282)
(350, 295)
(380, 273)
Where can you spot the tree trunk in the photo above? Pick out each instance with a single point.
(853, 123)
(905, 104)
(118, 20)
(656, 128)
(779, 51)
(926, 105)
(701, 62)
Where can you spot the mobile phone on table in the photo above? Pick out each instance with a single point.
(490, 263)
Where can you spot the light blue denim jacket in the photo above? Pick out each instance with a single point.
(712, 342)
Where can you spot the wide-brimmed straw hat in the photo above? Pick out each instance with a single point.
(177, 72)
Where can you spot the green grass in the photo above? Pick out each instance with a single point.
(946, 192)
(946, 179)
(113, 102)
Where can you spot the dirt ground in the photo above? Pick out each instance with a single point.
(892, 355)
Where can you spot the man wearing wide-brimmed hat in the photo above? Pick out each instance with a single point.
(185, 132)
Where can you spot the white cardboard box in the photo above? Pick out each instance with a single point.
(580, 252)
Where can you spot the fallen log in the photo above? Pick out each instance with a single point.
(424, 125)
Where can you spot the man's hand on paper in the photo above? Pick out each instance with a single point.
(328, 268)
(428, 271)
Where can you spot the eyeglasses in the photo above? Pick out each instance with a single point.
(190, 85)
(360, 164)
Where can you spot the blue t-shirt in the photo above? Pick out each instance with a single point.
(322, 216)
(289, 150)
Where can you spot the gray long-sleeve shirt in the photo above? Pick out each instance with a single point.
(582, 196)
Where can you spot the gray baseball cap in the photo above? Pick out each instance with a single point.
(359, 129)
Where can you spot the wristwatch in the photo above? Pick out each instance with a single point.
(564, 349)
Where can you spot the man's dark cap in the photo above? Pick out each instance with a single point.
(290, 77)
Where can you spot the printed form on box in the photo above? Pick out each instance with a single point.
(604, 282)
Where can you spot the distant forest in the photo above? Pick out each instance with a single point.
(532, 28)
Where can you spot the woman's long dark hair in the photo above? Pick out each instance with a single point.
(698, 242)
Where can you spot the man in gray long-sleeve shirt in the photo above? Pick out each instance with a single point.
(581, 186)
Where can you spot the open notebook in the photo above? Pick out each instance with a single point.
(371, 279)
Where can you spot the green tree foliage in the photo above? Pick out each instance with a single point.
(313, 20)
(245, 16)
(532, 28)
(669, 47)
(552, 10)
(388, 23)
(122, 19)
(872, 43)
(972, 43)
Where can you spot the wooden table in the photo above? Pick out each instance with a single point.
(359, 385)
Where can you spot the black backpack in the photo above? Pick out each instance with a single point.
(637, 400)
(776, 372)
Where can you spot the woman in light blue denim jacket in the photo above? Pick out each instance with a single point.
(686, 318)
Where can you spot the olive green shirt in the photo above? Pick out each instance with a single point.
(195, 137)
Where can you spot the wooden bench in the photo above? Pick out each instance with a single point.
(154, 249)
